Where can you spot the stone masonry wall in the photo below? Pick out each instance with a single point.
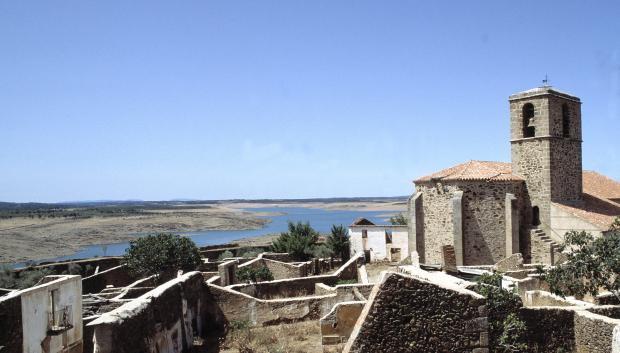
(484, 220)
(437, 219)
(549, 330)
(405, 314)
(566, 169)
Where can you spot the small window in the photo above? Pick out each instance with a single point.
(388, 237)
(565, 121)
(529, 129)
(535, 216)
(364, 234)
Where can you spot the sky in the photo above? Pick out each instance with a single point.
(160, 100)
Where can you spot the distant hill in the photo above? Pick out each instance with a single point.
(181, 202)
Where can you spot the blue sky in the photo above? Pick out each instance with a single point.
(284, 99)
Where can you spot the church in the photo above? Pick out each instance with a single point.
(488, 211)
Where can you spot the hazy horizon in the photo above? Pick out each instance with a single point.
(284, 100)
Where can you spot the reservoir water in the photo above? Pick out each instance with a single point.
(319, 219)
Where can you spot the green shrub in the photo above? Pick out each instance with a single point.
(506, 329)
(254, 274)
(299, 241)
(225, 255)
(160, 253)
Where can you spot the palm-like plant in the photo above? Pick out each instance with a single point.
(299, 241)
(338, 242)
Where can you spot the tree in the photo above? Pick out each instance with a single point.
(399, 219)
(299, 241)
(338, 242)
(161, 253)
(591, 264)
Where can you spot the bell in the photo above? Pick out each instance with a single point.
(531, 123)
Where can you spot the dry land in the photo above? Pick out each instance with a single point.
(301, 337)
(49, 232)
(25, 238)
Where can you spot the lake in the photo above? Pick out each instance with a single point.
(319, 219)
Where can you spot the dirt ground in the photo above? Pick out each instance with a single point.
(25, 238)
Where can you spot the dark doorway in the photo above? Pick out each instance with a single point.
(367, 256)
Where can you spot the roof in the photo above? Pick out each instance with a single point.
(600, 186)
(474, 170)
(362, 222)
(543, 90)
(595, 210)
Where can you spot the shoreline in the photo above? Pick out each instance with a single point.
(25, 239)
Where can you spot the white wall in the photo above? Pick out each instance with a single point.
(35, 302)
(379, 249)
(562, 222)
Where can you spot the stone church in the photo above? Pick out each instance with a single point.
(490, 210)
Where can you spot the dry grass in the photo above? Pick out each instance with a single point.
(302, 337)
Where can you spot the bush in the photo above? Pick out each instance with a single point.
(399, 219)
(249, 253)
(254, 274)
(9, 279)
(322, 251)
(225, 255)
(160, 253)
(299, 241)
(506, 329)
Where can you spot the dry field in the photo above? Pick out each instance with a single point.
(301, 337)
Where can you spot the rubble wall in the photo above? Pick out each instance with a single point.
(166, 318)
(406, 314)
(116, 276)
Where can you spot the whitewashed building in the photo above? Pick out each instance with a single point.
(379, 242)
(46, 318)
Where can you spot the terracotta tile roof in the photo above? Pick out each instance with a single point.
(601, 186)
(362, 222)
(595, 210)
(475, 170)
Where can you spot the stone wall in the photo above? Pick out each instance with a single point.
(570, 329)
(549, 330)
(165, 319)
(405, 314)
(483, 219)
(116, 276)
(298, 287)
(436, 220)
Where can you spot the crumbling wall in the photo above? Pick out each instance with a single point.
(11, 333)
(337, 325)
(570, 329)
(164, 320)
(238, 306)
(406, 314)
(116, 276)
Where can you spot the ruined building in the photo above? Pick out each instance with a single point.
(490, 210)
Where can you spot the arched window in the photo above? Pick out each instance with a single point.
(529, 130)
(535, 216)
(565, 121)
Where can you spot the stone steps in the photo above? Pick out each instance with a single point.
(554, 247)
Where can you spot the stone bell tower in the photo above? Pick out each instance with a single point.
(545, 136)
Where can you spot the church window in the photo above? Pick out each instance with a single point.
(565, 121)
(529, 129)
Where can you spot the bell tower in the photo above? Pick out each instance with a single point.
(545, 138)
